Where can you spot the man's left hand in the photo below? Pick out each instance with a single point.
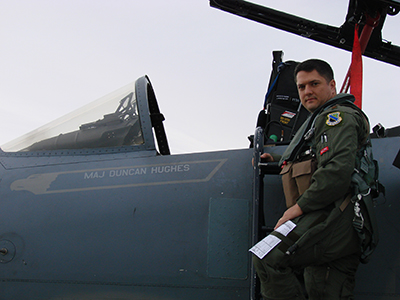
(290, 214)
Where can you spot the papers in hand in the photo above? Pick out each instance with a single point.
(264, 246)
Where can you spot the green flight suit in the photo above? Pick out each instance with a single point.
(328, 246)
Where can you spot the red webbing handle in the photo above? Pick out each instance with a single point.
(355, 70)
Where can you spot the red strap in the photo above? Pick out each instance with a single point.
(356, 70)
(361, 44)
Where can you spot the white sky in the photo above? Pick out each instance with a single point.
(210, 69)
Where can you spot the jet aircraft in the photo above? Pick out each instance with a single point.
(97, 208)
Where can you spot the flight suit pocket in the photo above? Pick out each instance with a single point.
(296, 179)
(324, 149)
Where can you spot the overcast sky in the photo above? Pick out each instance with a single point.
(209, 69)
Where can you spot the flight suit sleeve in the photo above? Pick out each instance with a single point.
(338, 133)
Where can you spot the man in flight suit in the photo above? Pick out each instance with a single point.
(316, 180)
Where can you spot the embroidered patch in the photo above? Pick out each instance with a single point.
(288, 114)
(286, 117)
(333, 119)
(323, 150)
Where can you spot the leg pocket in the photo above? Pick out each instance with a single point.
(325, 282)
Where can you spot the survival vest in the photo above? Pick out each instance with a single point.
(365, 188)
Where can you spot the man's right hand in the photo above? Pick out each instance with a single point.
(266, 157)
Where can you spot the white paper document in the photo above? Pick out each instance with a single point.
(264, 246)
(285, 228)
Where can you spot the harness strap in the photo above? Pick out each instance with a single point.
(345, 202)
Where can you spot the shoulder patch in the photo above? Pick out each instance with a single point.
(333, 119)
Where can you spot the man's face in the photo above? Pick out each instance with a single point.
(314, 90)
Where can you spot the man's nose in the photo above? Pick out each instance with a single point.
(307, 89)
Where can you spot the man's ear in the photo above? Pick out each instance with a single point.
(332, 85)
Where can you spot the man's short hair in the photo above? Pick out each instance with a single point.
(321, 66)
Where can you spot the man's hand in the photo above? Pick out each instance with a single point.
(264, 157)
(267, 157)
(290, 214)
